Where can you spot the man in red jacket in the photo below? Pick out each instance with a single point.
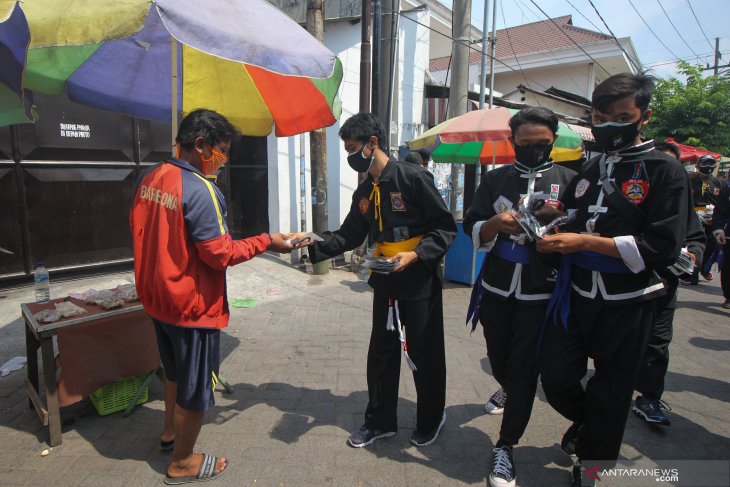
(181, 251)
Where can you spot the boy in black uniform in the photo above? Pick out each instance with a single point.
(721, 229)
(649, 405)
(631, 205)
(705, 190)
(400, 211)
(516, 281)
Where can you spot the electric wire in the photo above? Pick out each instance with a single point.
(675, 29)
(638, 68)
(652, 30)
(568, 36)
(700, 25)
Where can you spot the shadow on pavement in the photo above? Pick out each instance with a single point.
(710, 344)
(460, 452)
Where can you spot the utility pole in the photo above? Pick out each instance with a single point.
(365, 63)
(377, 54)
(318, 144)
(458, 92)
(717, 54)
(385, 42)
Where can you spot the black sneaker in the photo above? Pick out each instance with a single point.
(570, 438)
(726, 304)
(652, 410)
(367, 436)
(502, 473)
(419, 439)
(580, 480)
(496, 403)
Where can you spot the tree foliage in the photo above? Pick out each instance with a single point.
(695, 112)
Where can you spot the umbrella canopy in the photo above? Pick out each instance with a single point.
(687, 153)
(241, 58)
(14, 40)
(481, 136)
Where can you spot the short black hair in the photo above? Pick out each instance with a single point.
(361, 127)
(534, 115)
(414, 158)
(210, 125)
(668, 147)
(638, 86)
(425, 156)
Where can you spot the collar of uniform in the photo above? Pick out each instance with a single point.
(636, 150)
(387, 173)
(527, 174)
(183, 165)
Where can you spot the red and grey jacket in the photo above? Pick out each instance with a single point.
(182, 246)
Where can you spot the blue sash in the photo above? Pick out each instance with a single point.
(503, 249)
(559, 305)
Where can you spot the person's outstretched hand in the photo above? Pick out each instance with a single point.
(279, 244)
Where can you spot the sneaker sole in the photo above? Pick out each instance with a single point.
(646, 418)
(372, 440)
(493, 412)
(432, 440)
(503, 483)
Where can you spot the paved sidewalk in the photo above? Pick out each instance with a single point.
(297, 363)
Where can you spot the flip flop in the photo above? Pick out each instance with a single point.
(167, 445)
(205, 472)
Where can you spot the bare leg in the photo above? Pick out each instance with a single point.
(184, 461)
(168, 430)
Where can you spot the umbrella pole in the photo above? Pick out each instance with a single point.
(173, 51)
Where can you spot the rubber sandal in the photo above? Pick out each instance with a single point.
(205, 472)
(167, 445)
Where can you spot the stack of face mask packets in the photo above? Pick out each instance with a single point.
(525, 216)
(377, 264)
(683, 266)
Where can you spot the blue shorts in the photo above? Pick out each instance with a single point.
(190, 357)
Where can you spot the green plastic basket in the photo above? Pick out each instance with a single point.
(116, 397)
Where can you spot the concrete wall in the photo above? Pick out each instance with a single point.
(575, 78)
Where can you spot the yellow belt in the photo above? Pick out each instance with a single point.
(389, 249)
(700, 208)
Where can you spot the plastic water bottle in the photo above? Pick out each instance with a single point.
(42, 284)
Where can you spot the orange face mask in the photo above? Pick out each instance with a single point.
(214, 162)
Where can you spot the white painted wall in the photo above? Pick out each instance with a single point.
(413, 56)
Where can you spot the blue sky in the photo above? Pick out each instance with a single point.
(713, 16)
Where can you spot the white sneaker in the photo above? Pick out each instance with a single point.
(496, 403)
(502, 472)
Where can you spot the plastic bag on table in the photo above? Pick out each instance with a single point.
(68, 309)
(48, 316)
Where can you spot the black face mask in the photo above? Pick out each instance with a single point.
(359, 162)
(707, 170)
(531, 157)
(616, 136)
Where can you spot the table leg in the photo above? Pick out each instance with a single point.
(31, 352)
(49, 376)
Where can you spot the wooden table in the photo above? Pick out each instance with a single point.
(96, 348)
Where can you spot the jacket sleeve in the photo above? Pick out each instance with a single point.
(721, 213)
(482, 206)
(351, 234)
(441, 225)
(204, 211)
(695, 240)
(662, 237)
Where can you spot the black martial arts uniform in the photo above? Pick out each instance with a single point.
(611, 300)
(721, 221)
(403, 205)
(656, 359)
(515, 286)
(704, 192)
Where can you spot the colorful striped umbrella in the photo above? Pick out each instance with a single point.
(243, 58)
(481, 136)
